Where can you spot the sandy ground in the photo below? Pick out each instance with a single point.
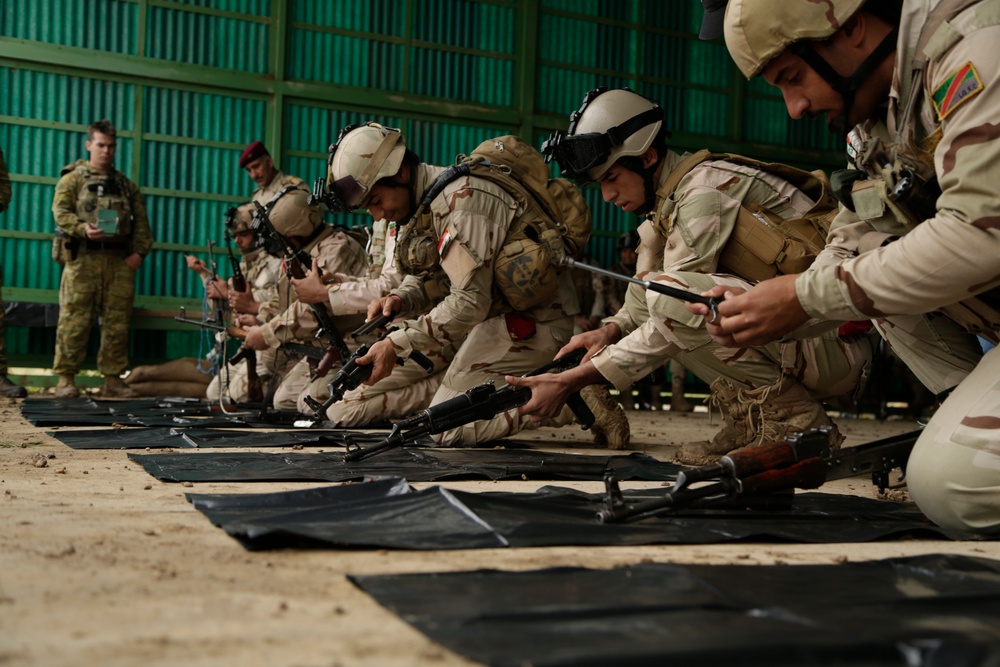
(100, 564)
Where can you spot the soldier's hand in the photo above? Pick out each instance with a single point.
(93, 232)
(387, 305)
(246, 320)
(311, 289)
(217, 289)
(255, 339)
(382, 358)
(195, 264)
(243, 302)
(755, 317)
(593, 341)
(134, 261)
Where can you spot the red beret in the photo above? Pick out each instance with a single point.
(252, 152)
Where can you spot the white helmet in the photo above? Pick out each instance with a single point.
(363, 155)
(290, 213)
(610, 124)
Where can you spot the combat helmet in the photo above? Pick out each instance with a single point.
(239, 218)
(290, 213)
(610, 124)
(363, 155)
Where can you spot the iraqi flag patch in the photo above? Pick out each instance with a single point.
(960, 87)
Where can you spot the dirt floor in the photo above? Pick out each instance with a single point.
(101, 564)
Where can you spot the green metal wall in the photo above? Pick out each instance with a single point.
(189, 83)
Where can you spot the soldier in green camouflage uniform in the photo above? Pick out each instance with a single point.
(917, 241)
(103, 217)
(7, 388)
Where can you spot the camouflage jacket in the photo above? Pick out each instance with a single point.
(277, 184)
(349, 295)
(471, 220)
(78, 199)
(262, 272)
(940, 121)
(4, 184)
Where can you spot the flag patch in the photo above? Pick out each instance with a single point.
(960, 87)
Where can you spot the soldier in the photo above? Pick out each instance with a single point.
(7, 388)
(691, 239)
(333, 252)
(259, 165)
(464, 232)
(102, 216)
(916, 243)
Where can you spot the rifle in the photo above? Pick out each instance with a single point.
(351, 375)
(255, 390)
(480, 402)
(683, 295)
(296, 260)
(744, 476)
(239, 279)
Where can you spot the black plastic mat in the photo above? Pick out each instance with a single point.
(370, 515)
(416, 464)
(208, 438)
(86, 411)
(929, 611)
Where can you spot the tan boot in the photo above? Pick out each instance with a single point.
(66, 387)
(10, 389)
(611, 427)
(115, 388)
(677, 401)
(758, 416)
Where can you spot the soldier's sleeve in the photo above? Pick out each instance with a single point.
(348, 297)
(297, 323)
(142, 234)
(634, 356)
(471, 277)
(64, 206)
(5, 191)
(953, 255)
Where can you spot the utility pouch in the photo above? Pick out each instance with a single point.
(63, 248)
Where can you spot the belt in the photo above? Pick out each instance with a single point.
(106, 246)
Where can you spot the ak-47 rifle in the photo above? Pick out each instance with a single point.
(239, 279)
(255, 389)
(296, 261)
(481, 402)
(748, 475)
(352, 374)
(684, 295)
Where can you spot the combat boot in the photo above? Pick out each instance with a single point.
(677, 401)
(115, 388)
(758, 416)
(611, 427)
(10, 389)
(66, 387)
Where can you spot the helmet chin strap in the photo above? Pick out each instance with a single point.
(846, 86)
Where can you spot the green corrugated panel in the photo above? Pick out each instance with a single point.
(561, 91)
(104, 25)
(312, 129)
(622, 10)
(197, 115)
(204, 169)
(466, 24)
(344, 60)
(439, 143)
(379, 17)
(65, 99)
(255, 7)
(35, 151)
(459, 76)
(680, 16)
(206, 39)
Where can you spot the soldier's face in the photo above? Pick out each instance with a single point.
(624, 188)
(261, 170)
(102, 151)
(244, 240)
(389, 202)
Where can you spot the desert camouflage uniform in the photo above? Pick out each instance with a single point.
(477, 220)
(96, 282)
(277, 184)
(940, 263)
(409, 388)
(680, 246)
(5, 194)
(335, 252)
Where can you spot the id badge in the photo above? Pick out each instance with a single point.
(107, 221)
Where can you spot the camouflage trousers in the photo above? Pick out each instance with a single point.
(954, 471)
(94, 285)
(3, 334)
(231, 383)
(488, 353)
(826, 365)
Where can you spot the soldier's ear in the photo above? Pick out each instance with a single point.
(650, 157)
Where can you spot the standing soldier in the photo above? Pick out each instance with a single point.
(259, 165)
(917, 240)
(7, 388)
(102, 218)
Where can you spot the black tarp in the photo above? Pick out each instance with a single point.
(416, 464)
(208, 438)
(370, 516)
(924, 611)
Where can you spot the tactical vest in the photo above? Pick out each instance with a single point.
(103, 199)
(763, 244)
(901, 179)
(554, 221)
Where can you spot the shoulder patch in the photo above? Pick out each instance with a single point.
(961, 86)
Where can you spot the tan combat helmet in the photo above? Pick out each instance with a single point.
(363, 155)
(239, 218)
(757, 31)
(290, 213)
(610, 125)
